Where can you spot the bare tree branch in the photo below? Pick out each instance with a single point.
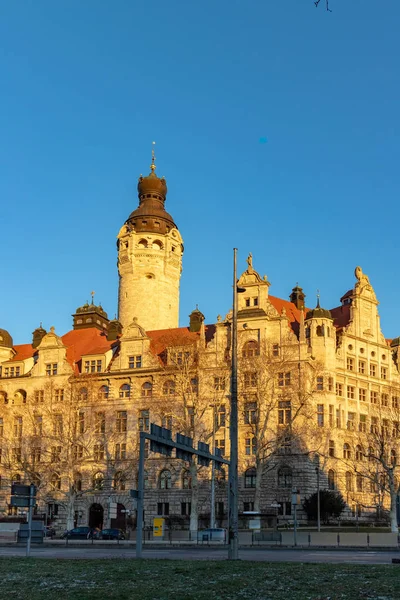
(316, 2)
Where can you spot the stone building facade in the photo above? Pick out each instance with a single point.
(318, 391)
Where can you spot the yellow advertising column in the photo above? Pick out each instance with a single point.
(158, 527)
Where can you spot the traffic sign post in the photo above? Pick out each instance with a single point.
(24, 496)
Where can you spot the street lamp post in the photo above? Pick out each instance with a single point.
(318, 494)
(212, 508)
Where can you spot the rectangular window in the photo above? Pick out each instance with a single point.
(383, 373)
(77, 452)
(186, 509)
(255, 301)
(220, 416)
(250, 413)
(284, 379)
(385, 428)
(351, 420)
(320, 415)
(284, 412)
(275, 350)
(331, 416)
(57, 424)
(36, 455)
(247, 301)
(100, 422)
(385, 399)
(395, 402)
(361, 366)
(1, 427)
(396, 429)
(220, 444)
(166, 422)
(16, 454)
(362, 395)
(339, 389)
(80, 422)
(39, 396)
(374, 397)
(163, 508)
(374, 425)
(250, 379)
(362, 426)
(331, 448)
(320, 384)
(250, 445)
(120, 451)
(351, 392)
(372, 370)
(17, 427)
(121, 421)
(330, 384)
(51, 368)
(99, 365)
(135, 362)
(56, 453)
(219, 383)
(338, 418)
(59, 395)
(190, 411)
(12, 371)
(98, 452)
(350, 364)
(248, 506)
(38, 425)
(144, 420)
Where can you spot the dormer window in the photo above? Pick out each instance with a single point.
(51, 369)
(12, 371)
(255, 301)
(93, 366)
(135, 362)
(247, 301)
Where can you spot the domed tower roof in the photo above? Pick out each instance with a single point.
(38, 335)
(318, 313)
(90, 315)
(394, 343)
(151, 216)
(6, 340)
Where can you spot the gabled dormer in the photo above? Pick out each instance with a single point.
(52, 356)
(253, 302)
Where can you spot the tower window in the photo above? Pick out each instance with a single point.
(142, 243)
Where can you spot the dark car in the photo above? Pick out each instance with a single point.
(111, 534)
(79, 533)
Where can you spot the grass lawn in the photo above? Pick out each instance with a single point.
(198, 580)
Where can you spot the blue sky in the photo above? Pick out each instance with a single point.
(87, 86)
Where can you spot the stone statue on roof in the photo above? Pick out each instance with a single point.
(250, 263)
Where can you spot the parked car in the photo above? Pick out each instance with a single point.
(212, 535)
(111, 534)
(80, 533)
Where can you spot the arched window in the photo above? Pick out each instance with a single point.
(359, 453)
(165, 480)
(186, 481)
(285, 477)
(320, 330)
(157, 245)
(169, 388)
(119, 483)
(147, 389)
(142, 243)
(250, 349)
(331, 479)
(83, 394)
(359, 483)
(349, 482)
(346, 451)
(103, 392)
(98, 481)
(250, 478)
(55, 481)
(78, 482)
(125, 391)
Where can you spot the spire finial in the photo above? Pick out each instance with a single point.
(318, 306)
(153, 158)
(92, 294)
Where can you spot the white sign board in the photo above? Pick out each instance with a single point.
(255, 524)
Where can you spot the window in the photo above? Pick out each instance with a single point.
(135, 362)
(250, 413)
(219, 383)
(362, 425)
(247, 301)
(83, 394)
(393, 457)
(220, 416)
(98, 481)
(385, 428)
(186, 480)
(255, 301)
(38, 425)
(55, 454)
(36, 455)
(350, 364)
(330, 384)
(119, 483)
(103, 392)
(77, 452)
(250, 478)
(284, 412)
(98, 452)
(250, 379)
(331, 448)
(93, 366)
(144, 420)
(57, 425)
(339, 389)
(320, 415)
(80, 422)
(169, 388)
(284, 445)
(372, 370)
(374, 397)
(147, 389)
(16, 454)
(125, 391)
(331, 480)
(51, 369)
(338, 424)
(59, 395)
(396, 429)
(163, 508)
(165, 480)
(39, 396)
(1, 427)
(121, 423)
(78, 482)
(359, 453)
(12, 371)
(250, 445)
(190, 412)
(220, 444)
(100, 422)
(194, 385)
(361, 366)
(374, 425)
(285, 477)
(284, 379)
(166, 422)
(346, 451)
(349, 482)
(120, 451)
(331, 416)
(320, 384)
(250, 349)
(275, 350)
(55, 481)
(248, 506)
(17, 427)
(385, 399)
(180, 358)
(351, 420)
(351, 392)
(362, 395)
(186, 509)
(395, 402)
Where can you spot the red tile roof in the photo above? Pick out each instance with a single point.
(23, 351)
(341, 316)
(81, 342)
(162, 339)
